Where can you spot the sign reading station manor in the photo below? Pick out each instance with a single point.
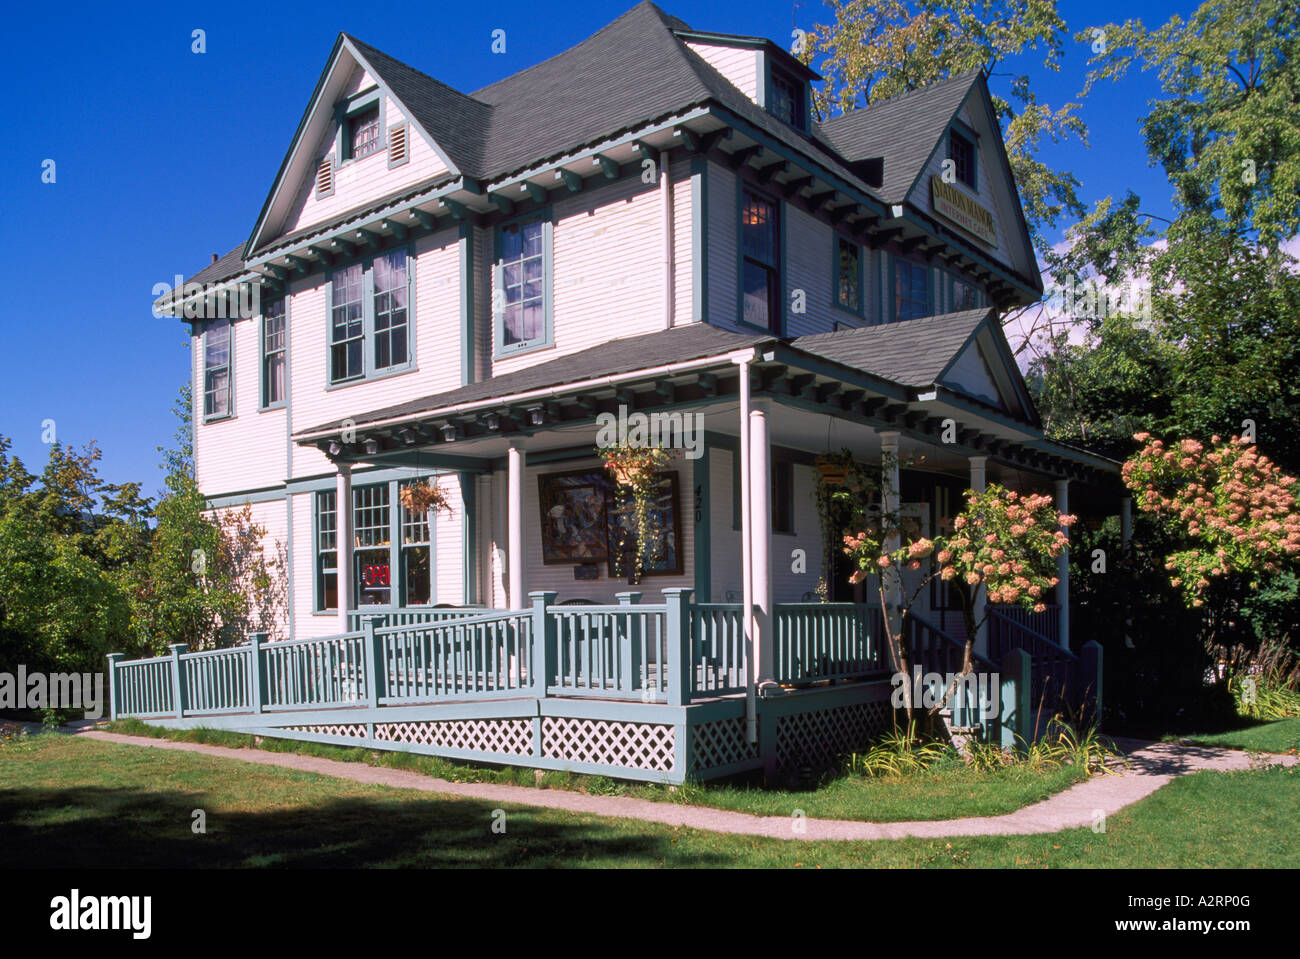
(955, 206)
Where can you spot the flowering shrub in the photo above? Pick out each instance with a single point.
(1001, 541)
(1237, 508)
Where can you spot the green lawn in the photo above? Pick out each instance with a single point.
(1279, 736)
(947, 792)
(74, 802)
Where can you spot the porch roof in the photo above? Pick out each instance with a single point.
(892, 376)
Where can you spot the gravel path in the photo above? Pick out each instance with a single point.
(1152, 765)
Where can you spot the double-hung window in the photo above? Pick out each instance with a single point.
(848, 275)
(372, 560)
(273, 354)
(363, 133)
(911, 289)
(761, 263)
(522, 285)
(417, 559)
(216, 370)
(327, 553)
(369, 317)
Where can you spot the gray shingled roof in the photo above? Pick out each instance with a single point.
(909, 353)
(677, 345)
(903, 130)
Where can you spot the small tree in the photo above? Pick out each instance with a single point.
(1001, 542)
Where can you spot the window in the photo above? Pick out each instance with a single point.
(390, 310)
(327, 564)
(417, 565)
(216, 370)
(783, 498)
(363, 133)
(848, 275)
(369, 303)
(962, 153)
(371, 560)
(523, 260)
(787, 100)
(761, 269)
(273, 354)
(964, 296)
(911, 289)
(347, 324)
(393, 555)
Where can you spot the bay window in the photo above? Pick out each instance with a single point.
(761, 263)
(522, 285)
(216, 370)
(273, 354)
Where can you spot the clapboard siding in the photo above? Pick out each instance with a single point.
(356, 183)
(740, 65)
(683, 245)
(437, 336)
(808, 262)
(449, 533)
(273, 520)
(722, 251)
(608, 269)
(245, 451)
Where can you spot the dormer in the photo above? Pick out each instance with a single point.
(761, 70)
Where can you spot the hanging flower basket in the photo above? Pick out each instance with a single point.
(834, 469)
(635, 471)
(423, 496)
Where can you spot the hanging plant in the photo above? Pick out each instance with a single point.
(421, 496)
(843, 488)
(635, 471)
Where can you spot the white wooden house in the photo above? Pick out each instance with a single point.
(457, 285)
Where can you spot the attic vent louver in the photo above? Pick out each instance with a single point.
(397, 154)
(325, 178)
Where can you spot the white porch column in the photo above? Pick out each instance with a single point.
(515, 459)
(1063, 568)
(978, 483)
(746, 566)
(343, 541)
(1126, 521)
(760, 543)
(889, 501)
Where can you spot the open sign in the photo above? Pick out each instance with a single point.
(374, 576)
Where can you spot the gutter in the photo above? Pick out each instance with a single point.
(550, 392)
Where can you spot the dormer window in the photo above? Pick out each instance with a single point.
(787, 101)
(363, 133)
(962, 152)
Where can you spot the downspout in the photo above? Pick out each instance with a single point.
(746, 560)
(666, 206)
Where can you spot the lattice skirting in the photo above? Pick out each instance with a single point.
(348, 730)
(513, 737)
(610, 743)
(720, 743)
(820, 737)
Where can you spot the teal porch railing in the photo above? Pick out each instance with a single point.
(412, 616)
(672, 652)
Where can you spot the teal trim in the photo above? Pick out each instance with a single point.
(700, 238)
(316, 600)
(368, 370)
(266, 495)
(346, 110)
(387, 145)
(703, 525)
(467, 273)
(230, 373)
(546, 215)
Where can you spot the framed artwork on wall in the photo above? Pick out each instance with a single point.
(573, 507)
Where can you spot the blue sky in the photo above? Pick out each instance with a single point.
(165, 156)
